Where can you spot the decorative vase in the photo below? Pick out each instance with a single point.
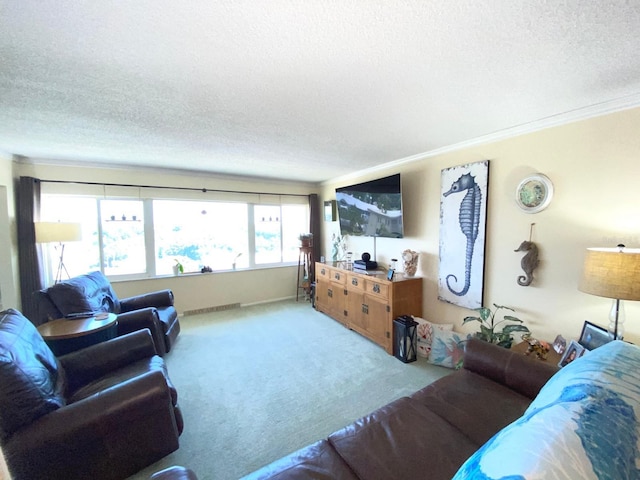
(410, 258)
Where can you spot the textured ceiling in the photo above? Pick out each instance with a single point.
(303, 90)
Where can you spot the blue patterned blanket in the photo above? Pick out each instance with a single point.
(582, 425)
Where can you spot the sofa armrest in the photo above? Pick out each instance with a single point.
(120, 431)
(161, 298)
(144, 318)
(83, 366)
(514, 370)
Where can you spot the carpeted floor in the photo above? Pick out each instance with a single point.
(259, 382)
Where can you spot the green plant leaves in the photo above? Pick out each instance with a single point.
(488, 327)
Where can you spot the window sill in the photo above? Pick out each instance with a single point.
(194, 274)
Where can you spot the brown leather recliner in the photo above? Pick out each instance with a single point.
(103, 412)
(93, 293)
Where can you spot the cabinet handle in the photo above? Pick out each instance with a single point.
(322, 271)
(330, 293)
(354, 282)
(337, 276)
(376, 288)
(365, 308)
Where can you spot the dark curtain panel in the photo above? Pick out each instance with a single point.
(28, 204)
(315, 214)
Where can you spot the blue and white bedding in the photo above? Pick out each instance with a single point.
(582, 425)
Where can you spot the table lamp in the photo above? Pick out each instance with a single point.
(58, 232)
(612, 273)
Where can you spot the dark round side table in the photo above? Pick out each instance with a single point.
(65, 335)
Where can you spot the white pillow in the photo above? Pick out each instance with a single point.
(425, 331)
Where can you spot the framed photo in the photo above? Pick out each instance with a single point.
(559, 344)
(573, 351)
(390, 273)
(534, 193)
(593, 336)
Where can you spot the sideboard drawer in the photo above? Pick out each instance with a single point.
(355, 282)
(379, 289)
(322, 271)
(338, 276)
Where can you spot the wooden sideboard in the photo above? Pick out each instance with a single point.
(367, 303)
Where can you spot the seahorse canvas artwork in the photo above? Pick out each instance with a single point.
(463, 216)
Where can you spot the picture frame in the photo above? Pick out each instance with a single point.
(390, 273)
(330, 213)
(573, 351)
(463, 219)
(559, 344)
(593, 336)
(534, 193)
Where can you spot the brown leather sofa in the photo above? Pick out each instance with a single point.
(103, 412)
(93, 293)
(432, 432)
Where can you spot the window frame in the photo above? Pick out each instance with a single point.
(149, 231)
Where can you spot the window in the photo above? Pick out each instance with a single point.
(145, 237)
(79, 257)
(276, 232)
(199, 234)
(123, 240)
(268, 234)
(295, 220)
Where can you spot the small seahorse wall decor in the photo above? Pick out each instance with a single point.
(469, 220)
(528, 263)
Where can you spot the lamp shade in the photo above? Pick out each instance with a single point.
(50, 232)
(612, 273)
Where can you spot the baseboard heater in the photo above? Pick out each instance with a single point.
(216, 308)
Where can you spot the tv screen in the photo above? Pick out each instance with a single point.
(371, 209)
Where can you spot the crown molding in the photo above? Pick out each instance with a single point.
(572, 116)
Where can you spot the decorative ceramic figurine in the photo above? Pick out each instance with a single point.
(410, 262)
(528, 263)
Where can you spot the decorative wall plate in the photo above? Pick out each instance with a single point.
(534, 193)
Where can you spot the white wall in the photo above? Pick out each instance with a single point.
(595, 167)
(8, 237)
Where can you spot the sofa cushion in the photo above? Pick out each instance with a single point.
(583, 424)
(86, 293)
(474, 404)
(31, 384)
(403, 440)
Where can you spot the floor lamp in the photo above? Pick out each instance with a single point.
(612, 273)
(58, 232)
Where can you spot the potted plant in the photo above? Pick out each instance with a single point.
(235, 260)
(178, 268)
(306, 239)
(489, 331)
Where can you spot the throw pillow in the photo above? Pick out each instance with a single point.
(447, 348)
(584, 424)
(425, 330)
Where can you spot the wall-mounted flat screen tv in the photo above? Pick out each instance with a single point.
(371, 209)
